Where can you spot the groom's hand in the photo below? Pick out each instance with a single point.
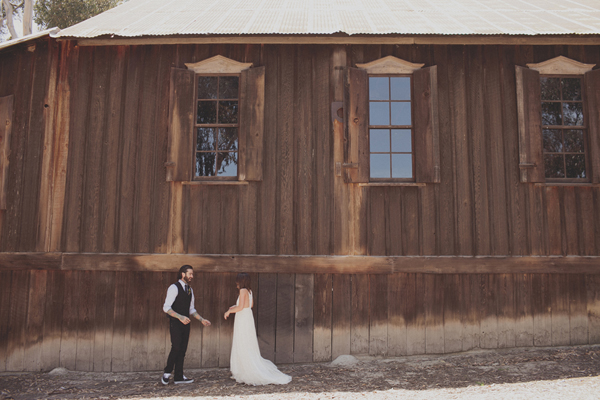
(184, 320)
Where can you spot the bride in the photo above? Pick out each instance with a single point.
(246, 364)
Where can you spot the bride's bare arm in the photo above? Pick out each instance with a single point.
(243, 298)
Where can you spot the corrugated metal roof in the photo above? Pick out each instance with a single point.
(137, 18)
(27, 38)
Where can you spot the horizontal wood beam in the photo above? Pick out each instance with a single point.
(300, 264)
(380, 39)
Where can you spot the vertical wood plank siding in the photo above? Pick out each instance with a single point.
(117, 199)
(98, 321)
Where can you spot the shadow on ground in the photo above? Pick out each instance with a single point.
(367, 375)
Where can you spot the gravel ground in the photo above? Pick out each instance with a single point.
(512, 374)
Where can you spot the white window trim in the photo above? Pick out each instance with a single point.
(218, 65)
(561, 66)
(390, 65)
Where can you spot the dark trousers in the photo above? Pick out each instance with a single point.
(180, 335)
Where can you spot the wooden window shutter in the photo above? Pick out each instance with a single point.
(6, 112)
(181, 125)
(592, 91)
(252, 124)
(356, 126)
(529, 112)
(426, 125)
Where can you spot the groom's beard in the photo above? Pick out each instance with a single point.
(187, 280)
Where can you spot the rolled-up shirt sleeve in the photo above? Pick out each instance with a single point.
(192, 308)
(171, 295)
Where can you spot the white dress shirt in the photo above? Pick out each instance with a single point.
(172, 295)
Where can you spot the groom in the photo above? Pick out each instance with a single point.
(179, 305)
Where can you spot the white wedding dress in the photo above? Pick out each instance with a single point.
(246, 364)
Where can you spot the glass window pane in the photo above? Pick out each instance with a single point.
(379, 140)
(207, 112)
(227, 164)
(228, 139)
(380, 165)
(207, 87)
(552, 140)
(401, 166)
(551, 114)
(205, 164)
(228, 87)
(379, 113)
(205, 139)
(401, 114)
(575, 165)
(228, 112)
(553, 164)
(379, 88)
(401, 141)
(573, 114)
(550, 88)
(571, 88)
(400, 88)
(574, 141)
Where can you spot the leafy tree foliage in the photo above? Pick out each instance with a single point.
(64, 13)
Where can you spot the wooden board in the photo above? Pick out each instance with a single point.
(35, 321)
(342, 316)
(104, 318)
(322, 317)
(578, 318)
(593, 308)
(53, 319)
(121, 347)
(70, 328)
(506, 310)
(542, 310)
(284, 337)
(266, 308)
(5, 284)
(454, 298)
(524, 311)
(415, 313)
(434, 313)
(304, 317)
(359, 329)
(559, 297)
(378, 315)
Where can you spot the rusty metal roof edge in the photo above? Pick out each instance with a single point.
(25, 39)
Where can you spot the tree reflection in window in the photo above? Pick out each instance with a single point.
(563, 128)
(217, 127)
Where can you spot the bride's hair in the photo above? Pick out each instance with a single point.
(243, 281)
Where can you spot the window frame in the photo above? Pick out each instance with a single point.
(584, 128)
(217, 126)
(390, 127)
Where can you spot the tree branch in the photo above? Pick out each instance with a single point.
(9, 19)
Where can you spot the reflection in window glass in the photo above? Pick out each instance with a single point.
(562, 111)
(401, 166)
(379, 88)
(379, 140)
(380, 166)
(217, 118)
(379, 113)
(390, 127)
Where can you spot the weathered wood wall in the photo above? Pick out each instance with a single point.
(103, 189)
(113, 321)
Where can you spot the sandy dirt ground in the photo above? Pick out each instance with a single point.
(533, 373)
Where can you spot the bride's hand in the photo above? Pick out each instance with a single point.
(227, 314)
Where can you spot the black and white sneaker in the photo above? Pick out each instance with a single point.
(164, 379)
(184, 380)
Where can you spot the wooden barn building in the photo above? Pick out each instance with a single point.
(398, 177)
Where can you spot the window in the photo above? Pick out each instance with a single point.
(390, 123)
(216, 122)
(217, 126)
(558, 123)
(563, 128)
(390, 128)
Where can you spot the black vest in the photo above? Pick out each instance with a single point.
(181, 305)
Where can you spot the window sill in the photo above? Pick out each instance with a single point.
(392, 184)
(584, 184)
(212, 183)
